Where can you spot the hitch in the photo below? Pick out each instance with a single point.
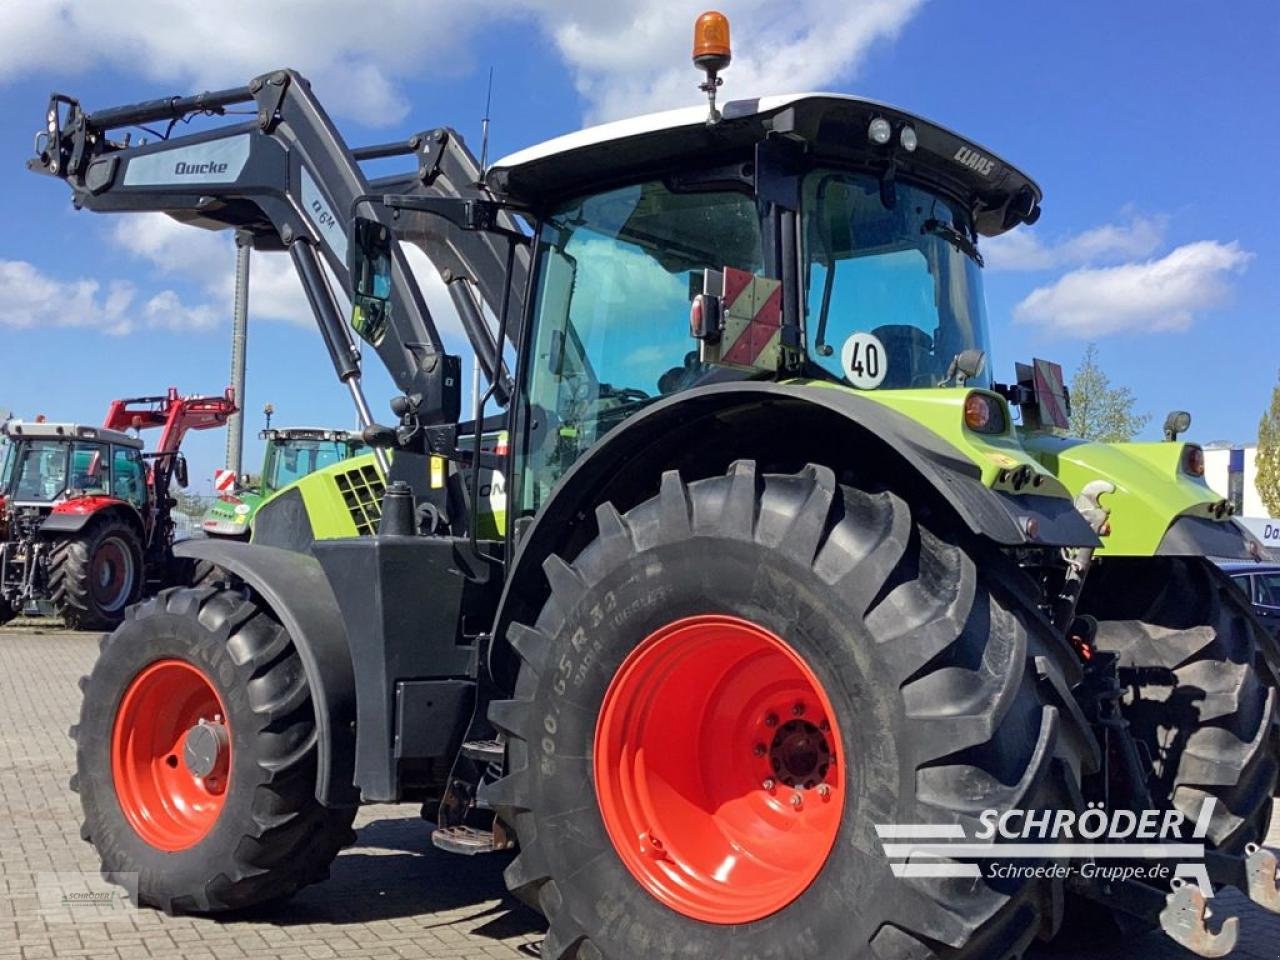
(1183, 919)
(1260, 873)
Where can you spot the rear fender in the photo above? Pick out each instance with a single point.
(72, 516)
(1157, 507)
(294, 587)
(701, 431)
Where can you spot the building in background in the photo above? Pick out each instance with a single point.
(1231, 471)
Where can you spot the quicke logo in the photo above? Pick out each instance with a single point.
(195, 169)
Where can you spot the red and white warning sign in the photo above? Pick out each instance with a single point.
(752, 325)
(224, 481)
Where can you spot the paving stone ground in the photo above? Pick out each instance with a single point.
(392, 896)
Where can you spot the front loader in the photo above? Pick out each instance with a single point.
(781, 576)
(86, 525)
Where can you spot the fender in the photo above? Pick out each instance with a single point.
(296, 590)
(1157, 508)
(702, 430)
(71, 516)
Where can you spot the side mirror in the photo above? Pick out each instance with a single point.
(180, 470)
(1178, 421)
(966, 365)
(370, 264)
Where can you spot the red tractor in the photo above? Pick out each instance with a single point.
(85, 516)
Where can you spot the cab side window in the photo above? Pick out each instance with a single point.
(1267, 589)
(129, 475)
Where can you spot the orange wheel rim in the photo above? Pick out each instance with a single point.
(719, 769)
(171, 755)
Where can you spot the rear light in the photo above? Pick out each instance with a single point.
(984, 413)
(1193, 461)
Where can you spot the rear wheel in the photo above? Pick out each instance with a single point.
(196, 757)
(733, 685)
(95, 575)
(7, 612)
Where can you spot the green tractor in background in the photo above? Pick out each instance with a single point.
(291, 454)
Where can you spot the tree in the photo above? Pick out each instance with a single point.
(1267, 480)
(1100, 411)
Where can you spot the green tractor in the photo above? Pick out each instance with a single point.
(291, 453)
(784, 594)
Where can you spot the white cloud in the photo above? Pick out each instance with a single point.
(355, 57)
(167, 311)
(626, 57)
(1161, 294)
(207, 258)
(632, 56)
(1023, 249)
(30, 298)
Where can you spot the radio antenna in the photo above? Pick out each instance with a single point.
(484, 126)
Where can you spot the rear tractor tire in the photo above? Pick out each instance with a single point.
(95, 575)
(733, 685)
(1189, 654)
(196, 757)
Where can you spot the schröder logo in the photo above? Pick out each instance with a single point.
(1080, 843)
(192, 169)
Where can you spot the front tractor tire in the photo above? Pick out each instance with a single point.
(95, 575)
(196, 757)
(733, 685)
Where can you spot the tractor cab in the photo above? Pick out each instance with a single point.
(295, 452)
(49, 463)
(813, 237)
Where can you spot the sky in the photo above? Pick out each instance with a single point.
(1149, 125)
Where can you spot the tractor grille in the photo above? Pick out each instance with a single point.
(362, 490)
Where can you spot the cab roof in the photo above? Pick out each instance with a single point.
(833, 125)
(69, 431)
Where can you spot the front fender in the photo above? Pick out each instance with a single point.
(1157, 508)
(704, 429)
(296, 590)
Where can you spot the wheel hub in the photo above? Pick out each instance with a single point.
(207, 748)
(800, 754)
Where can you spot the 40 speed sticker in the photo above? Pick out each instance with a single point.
(863, 360)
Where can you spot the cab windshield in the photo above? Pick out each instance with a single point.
(294, 459)
(894, 291)
(42, 470)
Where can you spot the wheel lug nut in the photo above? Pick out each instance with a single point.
(824, 791)
(759, 749)
(771, 720)
(798, 710)
(769, 784)
(797, 801)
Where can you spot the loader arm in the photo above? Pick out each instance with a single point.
(174, 413)
(288, 180)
